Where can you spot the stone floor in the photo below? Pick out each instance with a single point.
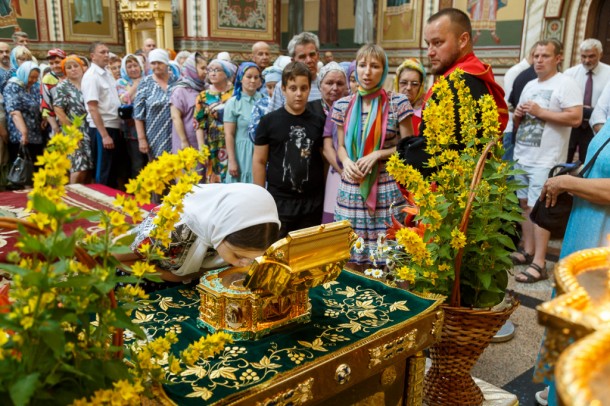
(510, 365)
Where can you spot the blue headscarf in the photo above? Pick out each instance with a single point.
(272, 74)
(190, 77)
(240, 75)
(23, 72)
(228, 68)
(124, 74)
(13, 57)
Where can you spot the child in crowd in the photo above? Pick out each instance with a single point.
(289, 141)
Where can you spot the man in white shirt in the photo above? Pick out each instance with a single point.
(601, 113)
(547, 108)
(305, 48)
(102, 102)
(591, 75)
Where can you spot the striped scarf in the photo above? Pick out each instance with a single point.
(361, 138)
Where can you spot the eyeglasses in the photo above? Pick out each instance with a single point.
(214, 70)
(407, 84)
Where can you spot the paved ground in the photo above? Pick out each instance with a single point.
(510, 365)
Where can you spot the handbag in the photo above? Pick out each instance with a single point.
(126, 111)
(555, 219)
(22, 169)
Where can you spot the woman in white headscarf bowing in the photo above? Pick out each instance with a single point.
(222, 224)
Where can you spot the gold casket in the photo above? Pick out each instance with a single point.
(274, 291)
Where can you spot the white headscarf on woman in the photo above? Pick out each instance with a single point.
(213, 211)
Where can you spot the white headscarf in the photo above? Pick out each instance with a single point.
(213, 211)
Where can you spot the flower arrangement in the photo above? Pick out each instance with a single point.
(63, 306)
(459, 241)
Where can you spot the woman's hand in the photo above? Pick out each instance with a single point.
(233, 168)
(184, 144)
(143, 145)
(24, 138)
(552, 188)
(351, 171)
(366, 163)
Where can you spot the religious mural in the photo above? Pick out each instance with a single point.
(244, 19)
(18, 15)
(90, 20)
(399, 23)
(494, 22)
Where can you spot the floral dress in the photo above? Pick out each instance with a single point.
(70, 99)
(18, 98)
(152, 106)
(209, 114)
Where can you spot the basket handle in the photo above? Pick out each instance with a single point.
(476, 179)
(81, 255)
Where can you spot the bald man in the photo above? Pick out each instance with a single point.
(5, 56)
(261, 55)
(448, 34)
(149, 45)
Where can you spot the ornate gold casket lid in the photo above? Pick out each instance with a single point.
(304, 259)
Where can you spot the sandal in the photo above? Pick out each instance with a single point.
(529, 278)
(528, 258)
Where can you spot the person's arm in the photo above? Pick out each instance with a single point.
(367, 162)
(142, 141)
(199, 133)
(131, 258)
(328, 150)
(99, 124)
(259, 164)
(179, 126)
(20, 125)
(593, 190)
(350, 169)
(233, 165)
(61, 115)
(571, 116)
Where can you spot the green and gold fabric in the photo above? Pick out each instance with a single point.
(344, 312)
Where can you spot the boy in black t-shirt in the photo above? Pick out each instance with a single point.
(287, 154)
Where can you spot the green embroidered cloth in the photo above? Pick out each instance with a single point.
(344, 312)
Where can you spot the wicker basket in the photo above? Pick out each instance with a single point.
(465, 334)
(80, 254)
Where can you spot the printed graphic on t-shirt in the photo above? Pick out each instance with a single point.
(296, 158)
(531, 128)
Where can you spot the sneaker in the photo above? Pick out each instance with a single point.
(541, 397)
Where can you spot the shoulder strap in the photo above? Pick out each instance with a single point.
(592, 160)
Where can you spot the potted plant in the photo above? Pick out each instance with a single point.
(62, 319)
(459, 243)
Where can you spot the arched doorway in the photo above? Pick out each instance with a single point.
(602, 27)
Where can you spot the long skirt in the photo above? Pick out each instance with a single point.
(351, 206)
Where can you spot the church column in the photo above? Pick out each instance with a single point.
(160, 37)
(128, 36)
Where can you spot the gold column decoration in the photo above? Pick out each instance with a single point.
(578, 328)
(134, 12)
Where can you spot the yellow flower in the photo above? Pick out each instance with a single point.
(458, 239)
(141, 268)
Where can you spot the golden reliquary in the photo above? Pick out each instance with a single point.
(249, 303)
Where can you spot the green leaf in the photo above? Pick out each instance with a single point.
(43, 205)
(53, 336)
(22, 390)
(506, 241)
(123, 321)
(485, 279)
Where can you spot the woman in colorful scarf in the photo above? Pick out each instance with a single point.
(410, 80)
(209, 115)
(369, 125)
(238, 112)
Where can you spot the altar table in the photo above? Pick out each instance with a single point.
(362, 346)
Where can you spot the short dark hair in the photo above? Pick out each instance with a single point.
(19, 34)
(94, 46)
(457, 17)
(557, 45)
(294, 69)
(257, 237)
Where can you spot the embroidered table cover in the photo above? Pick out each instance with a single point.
(344, 313)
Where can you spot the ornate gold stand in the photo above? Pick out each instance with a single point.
(578, 329)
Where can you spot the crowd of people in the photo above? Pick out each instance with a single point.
(317, 135)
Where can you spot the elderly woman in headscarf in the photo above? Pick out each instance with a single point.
(18, 55)
(68, 104)
(220, 225)
(209, 112)
(351, 77)
(132, 72)
(184, 95)
(333, 86)
(22, 103)
(369, 125)
(410, 80)
(236, 118)
(271, 75)
(151, 109)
